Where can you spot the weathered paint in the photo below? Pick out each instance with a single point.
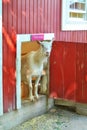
(9, 81)
(27, 17)
(38, 16)
(68, 77)
(80, 72)
(63, 71)
(69, 62)
(85, 74)
(1, 84)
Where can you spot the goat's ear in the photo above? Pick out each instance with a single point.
(40, 42)
(52, 39)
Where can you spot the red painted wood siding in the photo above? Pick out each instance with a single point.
(8, 58)
(63, 71)
(68, 71)
(30, 16)
(36, 16)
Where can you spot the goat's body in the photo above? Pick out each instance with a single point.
(32, 66)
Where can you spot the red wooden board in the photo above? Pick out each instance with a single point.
(56, 71)
(85, 74)
(69, 68)
(79, 72)
(62, 71)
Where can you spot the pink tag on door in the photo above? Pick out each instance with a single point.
(37, 37)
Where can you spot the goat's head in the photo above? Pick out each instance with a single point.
(46, 45)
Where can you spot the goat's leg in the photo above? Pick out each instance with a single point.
(31, 97)
(44, 84)
(36, 86)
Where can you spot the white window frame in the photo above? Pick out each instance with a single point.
(68, 24)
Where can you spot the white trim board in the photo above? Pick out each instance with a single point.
(1, 84)
(20, 39)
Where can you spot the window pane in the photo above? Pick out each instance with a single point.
(77, 9)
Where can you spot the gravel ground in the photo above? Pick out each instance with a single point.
(56, 119)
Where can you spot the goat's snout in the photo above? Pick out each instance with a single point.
(47, 53)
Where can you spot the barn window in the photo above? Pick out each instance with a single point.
(74, 14)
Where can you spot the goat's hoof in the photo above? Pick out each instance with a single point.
(31, 98)
(36, 97)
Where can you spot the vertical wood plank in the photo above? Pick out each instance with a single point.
(57, 71)
(10, 89)
(45, 16)
(69, 66)
(5, 52)
(27, 17)
(23, 16)
(85, 74)
(80, 72)
(39, 16)
(42, 16)
(49, 17)
(35, 16)
(1, 64)
(19, 18)
(31, 16)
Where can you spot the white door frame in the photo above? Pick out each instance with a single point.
(20, 39)
(1, 83)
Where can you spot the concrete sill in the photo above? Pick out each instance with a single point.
(28, 111)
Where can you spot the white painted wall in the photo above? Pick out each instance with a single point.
(23, 38)
(1, 84)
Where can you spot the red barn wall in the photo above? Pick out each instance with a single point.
(68, 71)
(32, 16)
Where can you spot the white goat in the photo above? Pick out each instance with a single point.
(32, 66)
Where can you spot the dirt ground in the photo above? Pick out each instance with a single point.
(57, 118)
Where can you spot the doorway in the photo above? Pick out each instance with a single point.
(23, 40)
